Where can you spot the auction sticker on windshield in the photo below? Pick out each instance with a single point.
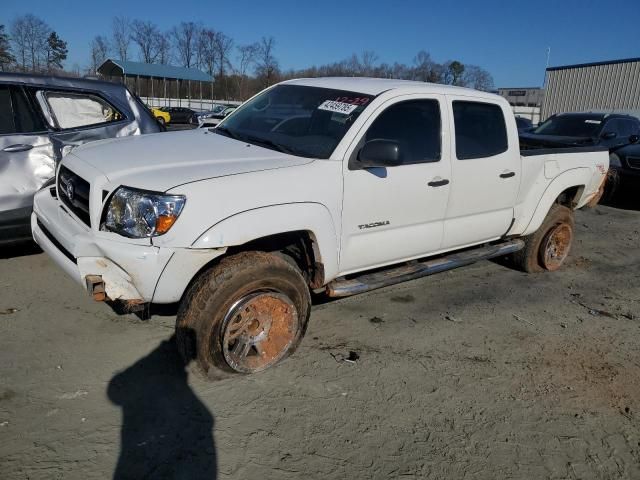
(337, 107)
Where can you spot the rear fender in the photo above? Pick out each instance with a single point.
(577, 177)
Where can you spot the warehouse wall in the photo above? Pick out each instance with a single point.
(610, 86)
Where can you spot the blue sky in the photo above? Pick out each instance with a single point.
(509, 39)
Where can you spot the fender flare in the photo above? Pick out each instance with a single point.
(312, 217)
(577, 177)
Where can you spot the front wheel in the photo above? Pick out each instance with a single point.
(547, 248)
(244, 315)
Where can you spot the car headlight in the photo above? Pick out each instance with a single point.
(139, 214)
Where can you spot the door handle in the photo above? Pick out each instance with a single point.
(507, 174)
(438, 183)
(19, 147)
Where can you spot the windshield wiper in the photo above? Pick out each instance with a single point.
(226, 132)
(264, 142)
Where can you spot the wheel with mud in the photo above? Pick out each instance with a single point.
(244, 315)
(549, 246)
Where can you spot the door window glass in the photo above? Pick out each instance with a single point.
(480, 130)
(414, 125)
(7, 124)
(27, 120)
(73, 110)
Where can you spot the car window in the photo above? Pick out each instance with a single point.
(614, 126)
(414, 125)
(27, 120)
(7, 124)
(73, 110)
(480, 130)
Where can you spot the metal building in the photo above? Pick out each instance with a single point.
(154, 82)
(525, 101)
(602, 86)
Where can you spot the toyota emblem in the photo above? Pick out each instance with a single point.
(70, 191)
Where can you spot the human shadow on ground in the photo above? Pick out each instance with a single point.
(167, 432)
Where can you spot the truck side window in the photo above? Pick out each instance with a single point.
(415, 125)
(7, 124)
(480, 130)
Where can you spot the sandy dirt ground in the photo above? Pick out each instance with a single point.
(478, 373)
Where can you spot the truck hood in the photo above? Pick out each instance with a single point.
(163, 161)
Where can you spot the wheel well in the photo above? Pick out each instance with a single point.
(569, 198)
(301, 246)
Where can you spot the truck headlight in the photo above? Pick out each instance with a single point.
(139, 214)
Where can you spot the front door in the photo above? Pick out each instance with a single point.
(396, 213)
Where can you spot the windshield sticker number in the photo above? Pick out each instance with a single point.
(597, 122)
(337, 107)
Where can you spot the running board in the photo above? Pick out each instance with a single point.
(411, 271)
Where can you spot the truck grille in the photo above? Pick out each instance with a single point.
(634, 162)
(73, 190)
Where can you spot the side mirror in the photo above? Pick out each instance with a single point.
(380, 153)
(634, 139)
(608, 135)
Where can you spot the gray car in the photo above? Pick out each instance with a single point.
(41, 119)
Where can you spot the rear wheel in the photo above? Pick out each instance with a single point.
(244, 315)
(549, 246)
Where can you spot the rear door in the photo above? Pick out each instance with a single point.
(485, 172)
(396, 213)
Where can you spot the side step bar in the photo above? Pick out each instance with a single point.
(411, 271)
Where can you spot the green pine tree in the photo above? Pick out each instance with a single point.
(56, 52)
(6, 58)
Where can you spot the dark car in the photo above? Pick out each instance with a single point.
(41, 119)
(180, 114)
(582, 129)
(624, 168)
(524, 124)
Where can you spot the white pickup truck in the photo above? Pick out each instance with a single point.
(339, 184)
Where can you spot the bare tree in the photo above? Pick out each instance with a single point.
(368, 59)
(185, 37)
(29, 37)
(145, 35)
(245, 59)
(223, 46)
(476, 77)
(163, 46)
(99, 52)
(207, 50)
(121, 36)
(267, 65)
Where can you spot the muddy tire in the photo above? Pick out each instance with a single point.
(549, 246)
(244, 315)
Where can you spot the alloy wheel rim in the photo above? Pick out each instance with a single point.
(258, 331)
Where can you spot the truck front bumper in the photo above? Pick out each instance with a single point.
(130, 271)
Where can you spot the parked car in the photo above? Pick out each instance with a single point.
(341, 184)
(576, 129)
(180, 114)
(215, 116)
(624, 168)
(524, 124)
(161, 116)
(41, 118)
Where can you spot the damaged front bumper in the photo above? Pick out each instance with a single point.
(129, 272)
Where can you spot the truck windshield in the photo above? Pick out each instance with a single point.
(586, 126)
(295, 119)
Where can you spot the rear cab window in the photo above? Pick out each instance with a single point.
(480, 129)
(76, 110)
